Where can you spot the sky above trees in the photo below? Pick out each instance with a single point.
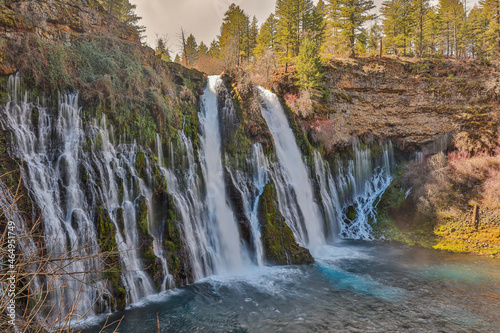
(202, 18)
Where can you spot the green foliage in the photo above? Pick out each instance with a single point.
(161, 50)
(309, 69)
(348, 17)
(399, 23)
(190, 54)
(236, 41)
(202, 50)
(267, 37)
(214, 50)
(122, 10)
(294, 18)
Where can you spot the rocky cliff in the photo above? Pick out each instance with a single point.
(419, 105)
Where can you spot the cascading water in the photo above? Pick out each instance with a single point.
(185, 186)
(115, 167)
(70, 174)
(251, 186)
(356, 187)
(329, 196)
(74, 172)
(53, 178)
(209, 226)
(225, 240)
(292, 175)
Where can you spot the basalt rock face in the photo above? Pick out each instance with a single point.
(418, 105)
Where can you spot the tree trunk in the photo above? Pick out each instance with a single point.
(380, 49)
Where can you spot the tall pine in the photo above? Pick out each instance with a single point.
(350, 16)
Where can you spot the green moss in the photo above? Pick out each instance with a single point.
(351, 213)
(121, 297)
(120, 219)
(279, 243)
(106, 232)
(394, 220)
(142, 216)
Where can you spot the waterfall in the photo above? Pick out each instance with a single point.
(185, 186)
(357, 188)
(251, 186)
(226, 240)
(209, 226)
(71, 172)
(113, 169)
(53, 171)
(329, 196)
(301, 212)
(77, 173)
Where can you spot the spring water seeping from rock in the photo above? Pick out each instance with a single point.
(74, 174)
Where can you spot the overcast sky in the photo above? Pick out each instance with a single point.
(202, 18)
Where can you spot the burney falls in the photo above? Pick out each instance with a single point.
(249, 166)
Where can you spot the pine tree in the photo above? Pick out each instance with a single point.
(214, 50)
(191, 52)
(492, 34)
(122, 10)
(374, 38)
(309, 69)
(398, 23)
(233, 38)
(177, 59)
(433, 29)
(420, 12)
(267, 36)
(335, 43)
(202, 50)
(318, 26)
(478, 23)
(161, 50)
(390, 23)
(252, 36)
(294, 17)
(451, 13)
(351, 14)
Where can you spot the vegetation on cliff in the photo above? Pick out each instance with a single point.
(280, 247)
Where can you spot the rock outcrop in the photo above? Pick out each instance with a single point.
(419, 105)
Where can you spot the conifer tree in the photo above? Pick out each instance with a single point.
(374, 38)
(398, 23)
(267, 36)
(191, 51)
(202, 50)
(420, 15)
(214, 50)
(294, 17)
(233, 40)
(122, 10)
(492, 34)
(309, 69)
(451, 13)
(351, 14)
(161, 49)
(318, 25)
(252, 36)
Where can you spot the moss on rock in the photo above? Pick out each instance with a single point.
(279, 243)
